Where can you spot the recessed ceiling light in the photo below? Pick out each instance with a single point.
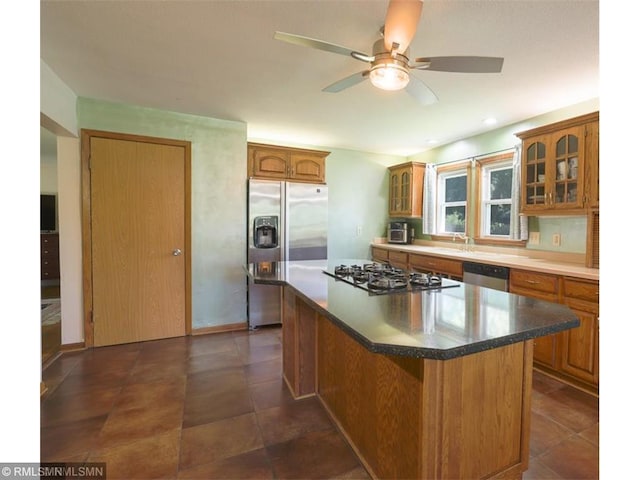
(432, 141)
(489, 121)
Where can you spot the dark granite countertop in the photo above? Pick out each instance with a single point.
(437, 324)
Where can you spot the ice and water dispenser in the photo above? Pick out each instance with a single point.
(265, 232)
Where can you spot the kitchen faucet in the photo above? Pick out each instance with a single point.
(462, 236)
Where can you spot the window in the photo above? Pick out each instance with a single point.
(494, 196)
(484, 210)
(452, 201)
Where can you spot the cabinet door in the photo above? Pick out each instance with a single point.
(579, 356)
(580, 346)
(543, 287)
(394, 192)
(406, 184)
(544, 348)
(405, 191)
(307, 168)
(592, 165)
(268, 163)
(567, 168)
(535, 156)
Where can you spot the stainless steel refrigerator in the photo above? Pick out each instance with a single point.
(287, 221)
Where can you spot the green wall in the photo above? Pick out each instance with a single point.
(218, 199)
(358, 199)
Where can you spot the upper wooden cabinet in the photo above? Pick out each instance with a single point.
(285, 163)
(406, 185)
(592, 167)
(560, 166)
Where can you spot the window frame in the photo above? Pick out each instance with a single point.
(483, 167)
(442, 173)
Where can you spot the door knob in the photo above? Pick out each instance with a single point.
(177, 252)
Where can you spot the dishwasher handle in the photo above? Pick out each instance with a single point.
(494, 271)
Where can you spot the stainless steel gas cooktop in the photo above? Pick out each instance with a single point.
(379, 278)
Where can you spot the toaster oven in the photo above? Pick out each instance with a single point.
(398, 232)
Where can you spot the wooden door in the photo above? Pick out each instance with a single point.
(138, 239)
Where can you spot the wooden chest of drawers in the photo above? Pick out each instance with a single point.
(49, 256)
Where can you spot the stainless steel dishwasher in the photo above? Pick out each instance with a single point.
(491, 276)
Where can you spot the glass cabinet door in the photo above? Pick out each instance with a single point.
(567, 168)
(535, 166)
(405, 189)
(394, 198)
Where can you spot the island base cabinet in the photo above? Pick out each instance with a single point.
(468, 417)
(299, 334)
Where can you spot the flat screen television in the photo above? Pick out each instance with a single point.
(48, 212)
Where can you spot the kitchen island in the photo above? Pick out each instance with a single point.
(428, 384)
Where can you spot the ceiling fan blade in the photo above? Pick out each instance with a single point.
(318, 44)
(401, 23)
(461, 64)
(419, 90)
(347, 82)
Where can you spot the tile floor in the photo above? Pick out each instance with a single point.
(215, 406)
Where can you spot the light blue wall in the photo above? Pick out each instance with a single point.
(218, 199)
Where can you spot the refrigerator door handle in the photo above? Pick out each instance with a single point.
(284, 219)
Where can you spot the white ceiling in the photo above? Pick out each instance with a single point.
(219, 59)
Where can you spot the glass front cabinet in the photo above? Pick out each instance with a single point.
(406, 183)
(554, 161)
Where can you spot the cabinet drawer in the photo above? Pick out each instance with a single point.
(581, 289)
(436, 264)
(379, 254)
(49, 241)
(398, 258)
(540, 282)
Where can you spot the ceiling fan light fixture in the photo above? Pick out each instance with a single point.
(389, 76)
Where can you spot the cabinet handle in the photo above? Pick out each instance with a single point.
(533, 282)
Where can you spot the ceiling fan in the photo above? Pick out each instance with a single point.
(389, 61)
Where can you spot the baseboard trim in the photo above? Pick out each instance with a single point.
(229, 327)
(71, 347)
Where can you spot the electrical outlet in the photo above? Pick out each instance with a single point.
(555, 240)
(534, 238)
(358, 230)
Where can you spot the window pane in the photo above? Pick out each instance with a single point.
(454, 219)
(500, 220)
(455, 189)
(501, 184)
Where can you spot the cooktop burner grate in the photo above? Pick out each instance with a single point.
(379, 278)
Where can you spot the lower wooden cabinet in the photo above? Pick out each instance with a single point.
(380, 254)
(399, 259)
(431, 264)
(572, 355)
(542, 286)
(580, 346)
